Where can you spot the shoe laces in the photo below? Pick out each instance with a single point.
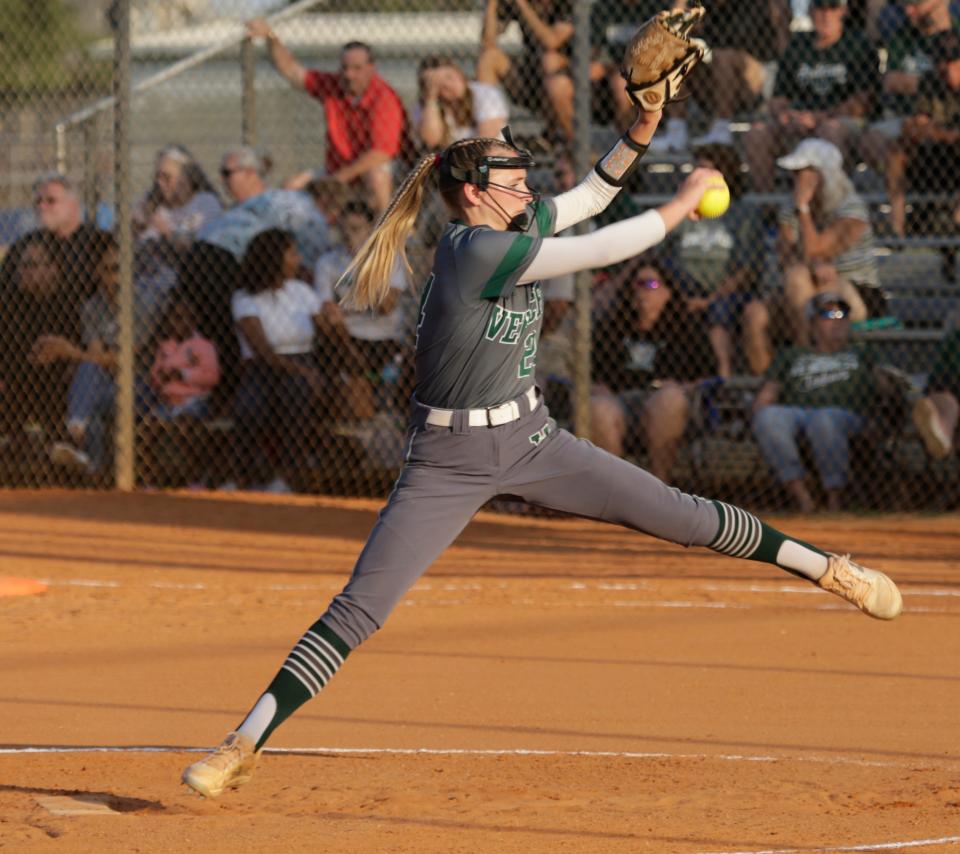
(228, 755)
(849, 575)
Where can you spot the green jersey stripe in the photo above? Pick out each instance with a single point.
(497, 283)
(544, 219)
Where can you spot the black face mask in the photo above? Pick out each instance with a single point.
(522, 221)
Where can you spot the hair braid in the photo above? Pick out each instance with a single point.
(369, 272)
(368, 275)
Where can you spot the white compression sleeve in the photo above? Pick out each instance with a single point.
(609, 245)
(587, 199)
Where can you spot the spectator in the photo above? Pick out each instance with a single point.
(824, 391)
(362, 343)
(330, 197)
(927, 157)
(547, 29)
(825, 86)
(210, 270)
(612, 26)
(244, 171)
(366, 121)
(826, 244)
(185, 370)
(450, 107)
(648, 354)
(276, 316)
(936, 413)
(40, 303)
(185, 366)
(60, 216)
(92, 392)
(909, 56)
(181, 201)
(742, 37)
(721, 258)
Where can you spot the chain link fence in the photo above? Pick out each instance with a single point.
(267, 137)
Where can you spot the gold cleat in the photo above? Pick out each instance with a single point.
(871, 591)
(228, 767)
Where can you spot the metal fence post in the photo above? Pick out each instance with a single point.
(60, 143)
(124, 467)
(582, 162)
(248, 101)
(91, 196)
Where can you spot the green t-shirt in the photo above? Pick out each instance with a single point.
(937, 100)
(909, 51)
(820, 79)
(478, 331)
(842, 380)
(709, 250)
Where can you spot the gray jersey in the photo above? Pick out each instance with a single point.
(478, 331)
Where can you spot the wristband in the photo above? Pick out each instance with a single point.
(620, 162)
(802, 209)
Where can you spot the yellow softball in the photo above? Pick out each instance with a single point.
(715, 199)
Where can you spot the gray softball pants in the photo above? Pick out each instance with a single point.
(451, 472)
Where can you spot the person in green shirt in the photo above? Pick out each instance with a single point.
(925, 158)
(909, 56)
(935, 415)
(825, 86)
(823, 391)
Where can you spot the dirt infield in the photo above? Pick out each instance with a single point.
(548, 686)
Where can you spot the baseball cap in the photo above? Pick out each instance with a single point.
(813, 153)
(828, 304)
(945, 46)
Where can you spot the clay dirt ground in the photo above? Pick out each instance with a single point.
(550, 685)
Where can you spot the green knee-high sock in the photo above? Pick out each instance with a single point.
(741, 534)
(308, 668)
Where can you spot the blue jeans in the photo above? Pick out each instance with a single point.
(828, 430)
(90, 402)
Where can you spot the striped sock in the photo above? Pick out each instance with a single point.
(741, 534)
(308, 668)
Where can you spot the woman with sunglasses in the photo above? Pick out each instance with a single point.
(823, 391)
(650, 353)
(478, 425)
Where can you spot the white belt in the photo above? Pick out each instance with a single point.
(492, 417)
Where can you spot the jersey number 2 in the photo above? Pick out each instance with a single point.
(528, 359)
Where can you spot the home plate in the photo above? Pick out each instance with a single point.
(76, 805)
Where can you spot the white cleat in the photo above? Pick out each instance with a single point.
(229, 766)
(871, 591)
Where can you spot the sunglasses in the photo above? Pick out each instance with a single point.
(226, 173)
(651, 284)
(834, 313)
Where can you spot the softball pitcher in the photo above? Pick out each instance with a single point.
(479, 426)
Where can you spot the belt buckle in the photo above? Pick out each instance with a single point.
(503, 414)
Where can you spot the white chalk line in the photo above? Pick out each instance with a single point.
(467, 751)
(878, 846)
(534, 752)
(731, 587)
